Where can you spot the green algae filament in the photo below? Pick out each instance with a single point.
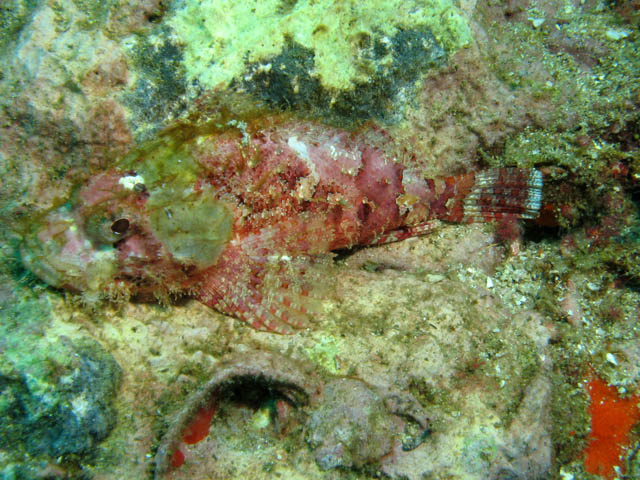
(612, 418)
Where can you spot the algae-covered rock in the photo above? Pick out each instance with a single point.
(14, 15)
(353, 426)
(64, 408)
(158, 92)
(390, 65)
(56, 393)
(219, 35)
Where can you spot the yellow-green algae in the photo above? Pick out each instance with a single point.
(220, 36)
(326, 352)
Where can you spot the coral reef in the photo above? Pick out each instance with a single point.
(495, 330)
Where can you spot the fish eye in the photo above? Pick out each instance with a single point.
(120, 226)
(140, 188)
(104, 229)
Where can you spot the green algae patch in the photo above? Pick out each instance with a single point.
(326, 352)
(14, 15)
(165, 160)
(220, 37)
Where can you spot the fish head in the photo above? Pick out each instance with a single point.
(118, 234)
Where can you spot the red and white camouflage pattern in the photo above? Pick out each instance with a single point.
(294, 191)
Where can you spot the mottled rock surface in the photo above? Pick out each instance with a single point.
(57, 390)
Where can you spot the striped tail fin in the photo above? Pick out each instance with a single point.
(486, 195)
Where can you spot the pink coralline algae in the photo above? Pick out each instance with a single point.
(237, 215)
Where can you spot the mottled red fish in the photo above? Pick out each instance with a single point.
(236, 216)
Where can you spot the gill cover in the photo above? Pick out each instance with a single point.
(192, 225)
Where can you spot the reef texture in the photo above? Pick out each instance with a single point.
(275, 374)
(57, 393)
(499, 330)
(350, 423)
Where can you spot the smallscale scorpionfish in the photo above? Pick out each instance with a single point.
(236, 216)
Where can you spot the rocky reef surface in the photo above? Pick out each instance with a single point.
(498, 331)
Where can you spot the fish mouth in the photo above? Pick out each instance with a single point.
(60, 254)
(36, 260)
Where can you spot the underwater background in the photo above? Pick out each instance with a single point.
(497, 350)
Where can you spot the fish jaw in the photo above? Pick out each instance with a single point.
(61, 254)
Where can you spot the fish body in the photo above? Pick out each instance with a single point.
(237, 216)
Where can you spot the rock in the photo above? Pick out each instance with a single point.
(65, 407)
(351, 424)
(355, 425)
